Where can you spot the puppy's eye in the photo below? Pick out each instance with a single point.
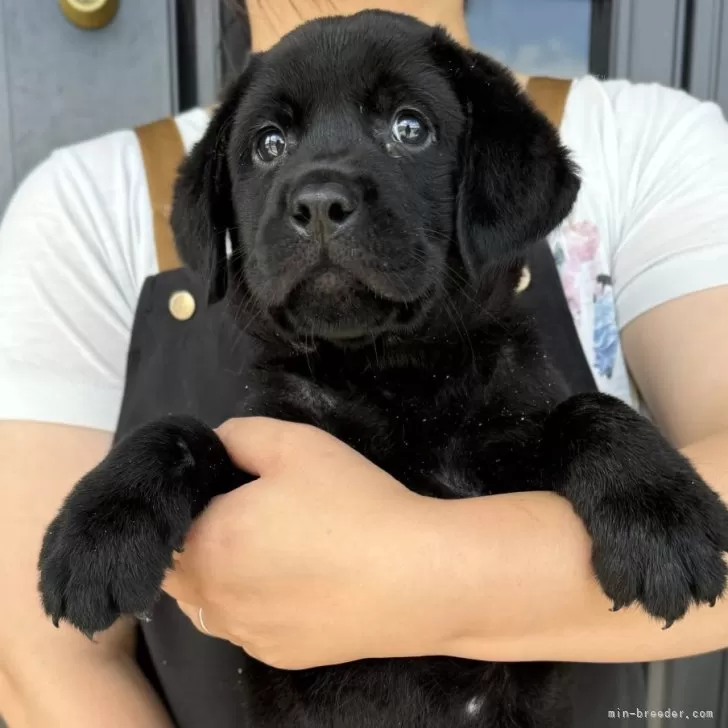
(410, 128)
(271, 145)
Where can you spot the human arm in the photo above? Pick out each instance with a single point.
(54, 676)
(558, 611)
(669, 257)
(67, 257)
(498, 578)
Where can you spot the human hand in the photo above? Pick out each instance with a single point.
(323, 559)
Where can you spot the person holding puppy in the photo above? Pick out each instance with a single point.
(513, 577)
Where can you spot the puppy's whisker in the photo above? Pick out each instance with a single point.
(245, 301)
(306, 350)
(374, 346)
(397, 281)
(454, 315)
(456, 278)
(467, 290)
(242, 312)
(245, 306)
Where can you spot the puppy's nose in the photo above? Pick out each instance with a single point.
(322, 209)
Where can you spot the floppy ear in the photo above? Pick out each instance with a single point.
(202, 209)
(517, 181)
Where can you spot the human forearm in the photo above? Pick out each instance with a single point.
(56, 677)
(69, 692)
(316, 574)
(521, 586)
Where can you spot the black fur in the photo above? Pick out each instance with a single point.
(392, 323)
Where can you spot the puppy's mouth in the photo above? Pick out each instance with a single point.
(333, 304)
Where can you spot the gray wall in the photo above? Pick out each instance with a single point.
(7, 169)
(60, 84)
(680, 43)
(707, 75)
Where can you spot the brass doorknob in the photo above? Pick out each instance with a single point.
(89, 14)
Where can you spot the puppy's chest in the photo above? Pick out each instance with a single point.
(429, 438)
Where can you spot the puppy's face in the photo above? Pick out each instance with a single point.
(345, 148)
(367, 168)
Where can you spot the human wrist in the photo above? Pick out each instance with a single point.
(478, 564)
(456, 556)
(514, 575)
(425, 580)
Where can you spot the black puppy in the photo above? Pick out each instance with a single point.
(380, 186)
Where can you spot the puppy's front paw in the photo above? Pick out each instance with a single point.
(103, 557)
(659, 533)
(662, 549)
(106, 552)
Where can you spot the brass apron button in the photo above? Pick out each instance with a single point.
(525, 281)
(182, 305)
(89, 14)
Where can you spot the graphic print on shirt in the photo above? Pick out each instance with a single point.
(590, 296)
(606, 335)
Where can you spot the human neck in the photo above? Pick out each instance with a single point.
(268, 26)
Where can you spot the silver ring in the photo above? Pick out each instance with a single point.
(202, 622)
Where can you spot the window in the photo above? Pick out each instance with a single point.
(535, 37)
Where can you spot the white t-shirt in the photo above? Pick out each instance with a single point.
(76, 244)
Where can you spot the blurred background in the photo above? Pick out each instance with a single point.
(548, 37)
(61, 83)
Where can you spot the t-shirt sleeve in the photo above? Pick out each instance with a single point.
(673, 184)
(75, 248)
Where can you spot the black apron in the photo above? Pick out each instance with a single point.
(182, 363)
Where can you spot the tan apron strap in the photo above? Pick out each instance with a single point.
(549, 96)
(162, 151)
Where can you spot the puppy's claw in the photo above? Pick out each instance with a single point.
(615, 607)
(711, 603)
(668, 624)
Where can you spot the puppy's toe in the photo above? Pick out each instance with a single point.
(97, 565)
(69, 585)
(667, 560)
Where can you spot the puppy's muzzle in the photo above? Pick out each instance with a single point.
(338, 262)
(323, 210)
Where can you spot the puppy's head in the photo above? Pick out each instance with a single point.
(365, 170)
